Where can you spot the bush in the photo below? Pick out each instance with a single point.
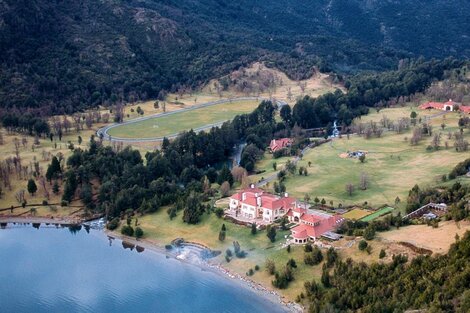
(382, 254)
(169, 247)
(250, 272)
(308, 247)
(139, 233)
(219, 212)
(256, 267)
(64, 203)
(113, 224)
(44, 202)
(127, 230)
(362, 245)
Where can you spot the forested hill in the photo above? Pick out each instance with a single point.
(74, 54)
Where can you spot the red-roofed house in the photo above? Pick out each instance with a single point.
(446, 106)
(255, 204)
(278, 144)
(311, 226)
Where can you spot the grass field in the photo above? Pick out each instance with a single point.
(377, 214)
(392, 165)
(172, 124)
(356, 214)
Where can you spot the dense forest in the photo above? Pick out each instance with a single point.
(64, 56)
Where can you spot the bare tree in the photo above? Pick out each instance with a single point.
(20, 196)
(364, 181)
(349, 189)
(43, 184)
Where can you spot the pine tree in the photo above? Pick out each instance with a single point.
(32, 188)
(271, 233)
(55, 188)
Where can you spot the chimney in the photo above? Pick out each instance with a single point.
(286, 194)
(243, 196)
(258, 201)
(252, 186)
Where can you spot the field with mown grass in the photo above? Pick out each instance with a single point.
(183, 121)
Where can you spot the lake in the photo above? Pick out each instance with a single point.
(56, 270)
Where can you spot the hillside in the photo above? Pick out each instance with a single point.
(68, 55)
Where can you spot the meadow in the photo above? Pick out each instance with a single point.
(392, 166)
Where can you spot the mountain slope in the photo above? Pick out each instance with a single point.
(68, 55)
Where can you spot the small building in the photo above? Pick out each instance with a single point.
(443, 106)
(311, 225)
(278, 144)
(254, 204)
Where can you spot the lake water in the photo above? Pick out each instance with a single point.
(56, 270)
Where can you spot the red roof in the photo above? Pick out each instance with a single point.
(268, 201)
(278, 144)
(303, 231)
(465, 109)
(437, 105)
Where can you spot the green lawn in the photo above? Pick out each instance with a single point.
(178, 122)
(377, 214)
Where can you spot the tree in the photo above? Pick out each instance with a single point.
(286, 114)
(222, 233)
(382, 254)
(193, 209)
(55, 188)
(127, 230)
(53, 170)
(364, 181)
(80, 140)
(275, 166)
(363, 245)
(70, 186)
(271, 233)
(350, 189)
(225, 189)
(325, 277)
(253, 228)
(362, 158)
(139, 233)
(270, 267)
(225, 176)
(32, 188)
(331, 257)
(369, 232)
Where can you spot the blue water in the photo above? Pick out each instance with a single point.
(53, 270)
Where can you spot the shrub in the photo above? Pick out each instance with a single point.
(250, 272)
(256, 267)
(113, 224)
(169, 247)
(44, 202)
(64, 203)
(382, 254)
(219, 212)
(127, 230)
(139, 233)
(362, 245)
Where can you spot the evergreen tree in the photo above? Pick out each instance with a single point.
(193, 209)
(271, 233)
(32, 188)
(70, 186)
(253, 228)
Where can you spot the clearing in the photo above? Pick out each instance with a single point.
(437, 240)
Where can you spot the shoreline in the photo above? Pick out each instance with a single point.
(205, 265)
(244, 282)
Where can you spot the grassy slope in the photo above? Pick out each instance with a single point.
(393, 165)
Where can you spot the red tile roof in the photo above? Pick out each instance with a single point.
(268, 201)
(278, 144)
(326, 224)
(465, 109)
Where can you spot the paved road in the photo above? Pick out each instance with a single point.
(104, 131)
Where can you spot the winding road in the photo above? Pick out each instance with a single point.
(103, 132)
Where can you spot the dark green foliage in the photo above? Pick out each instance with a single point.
(70, 186)
(32, 188)
(193, 209)
(225, 176)
(271, 233)
(282, 280)
(331, 257)
(253, 229)
(363, 245)
(314, 257)
(382, 254)
(270, 267)
(288, 248)
(417, 285)
(53, 170)
(219, 212)
(292, 263)
(113, 224)
(127, 230)
(139, 233)
(369, 232)
(308, 247)
(460, 169)
(55, 188)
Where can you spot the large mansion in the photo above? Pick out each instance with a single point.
(254, 205)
